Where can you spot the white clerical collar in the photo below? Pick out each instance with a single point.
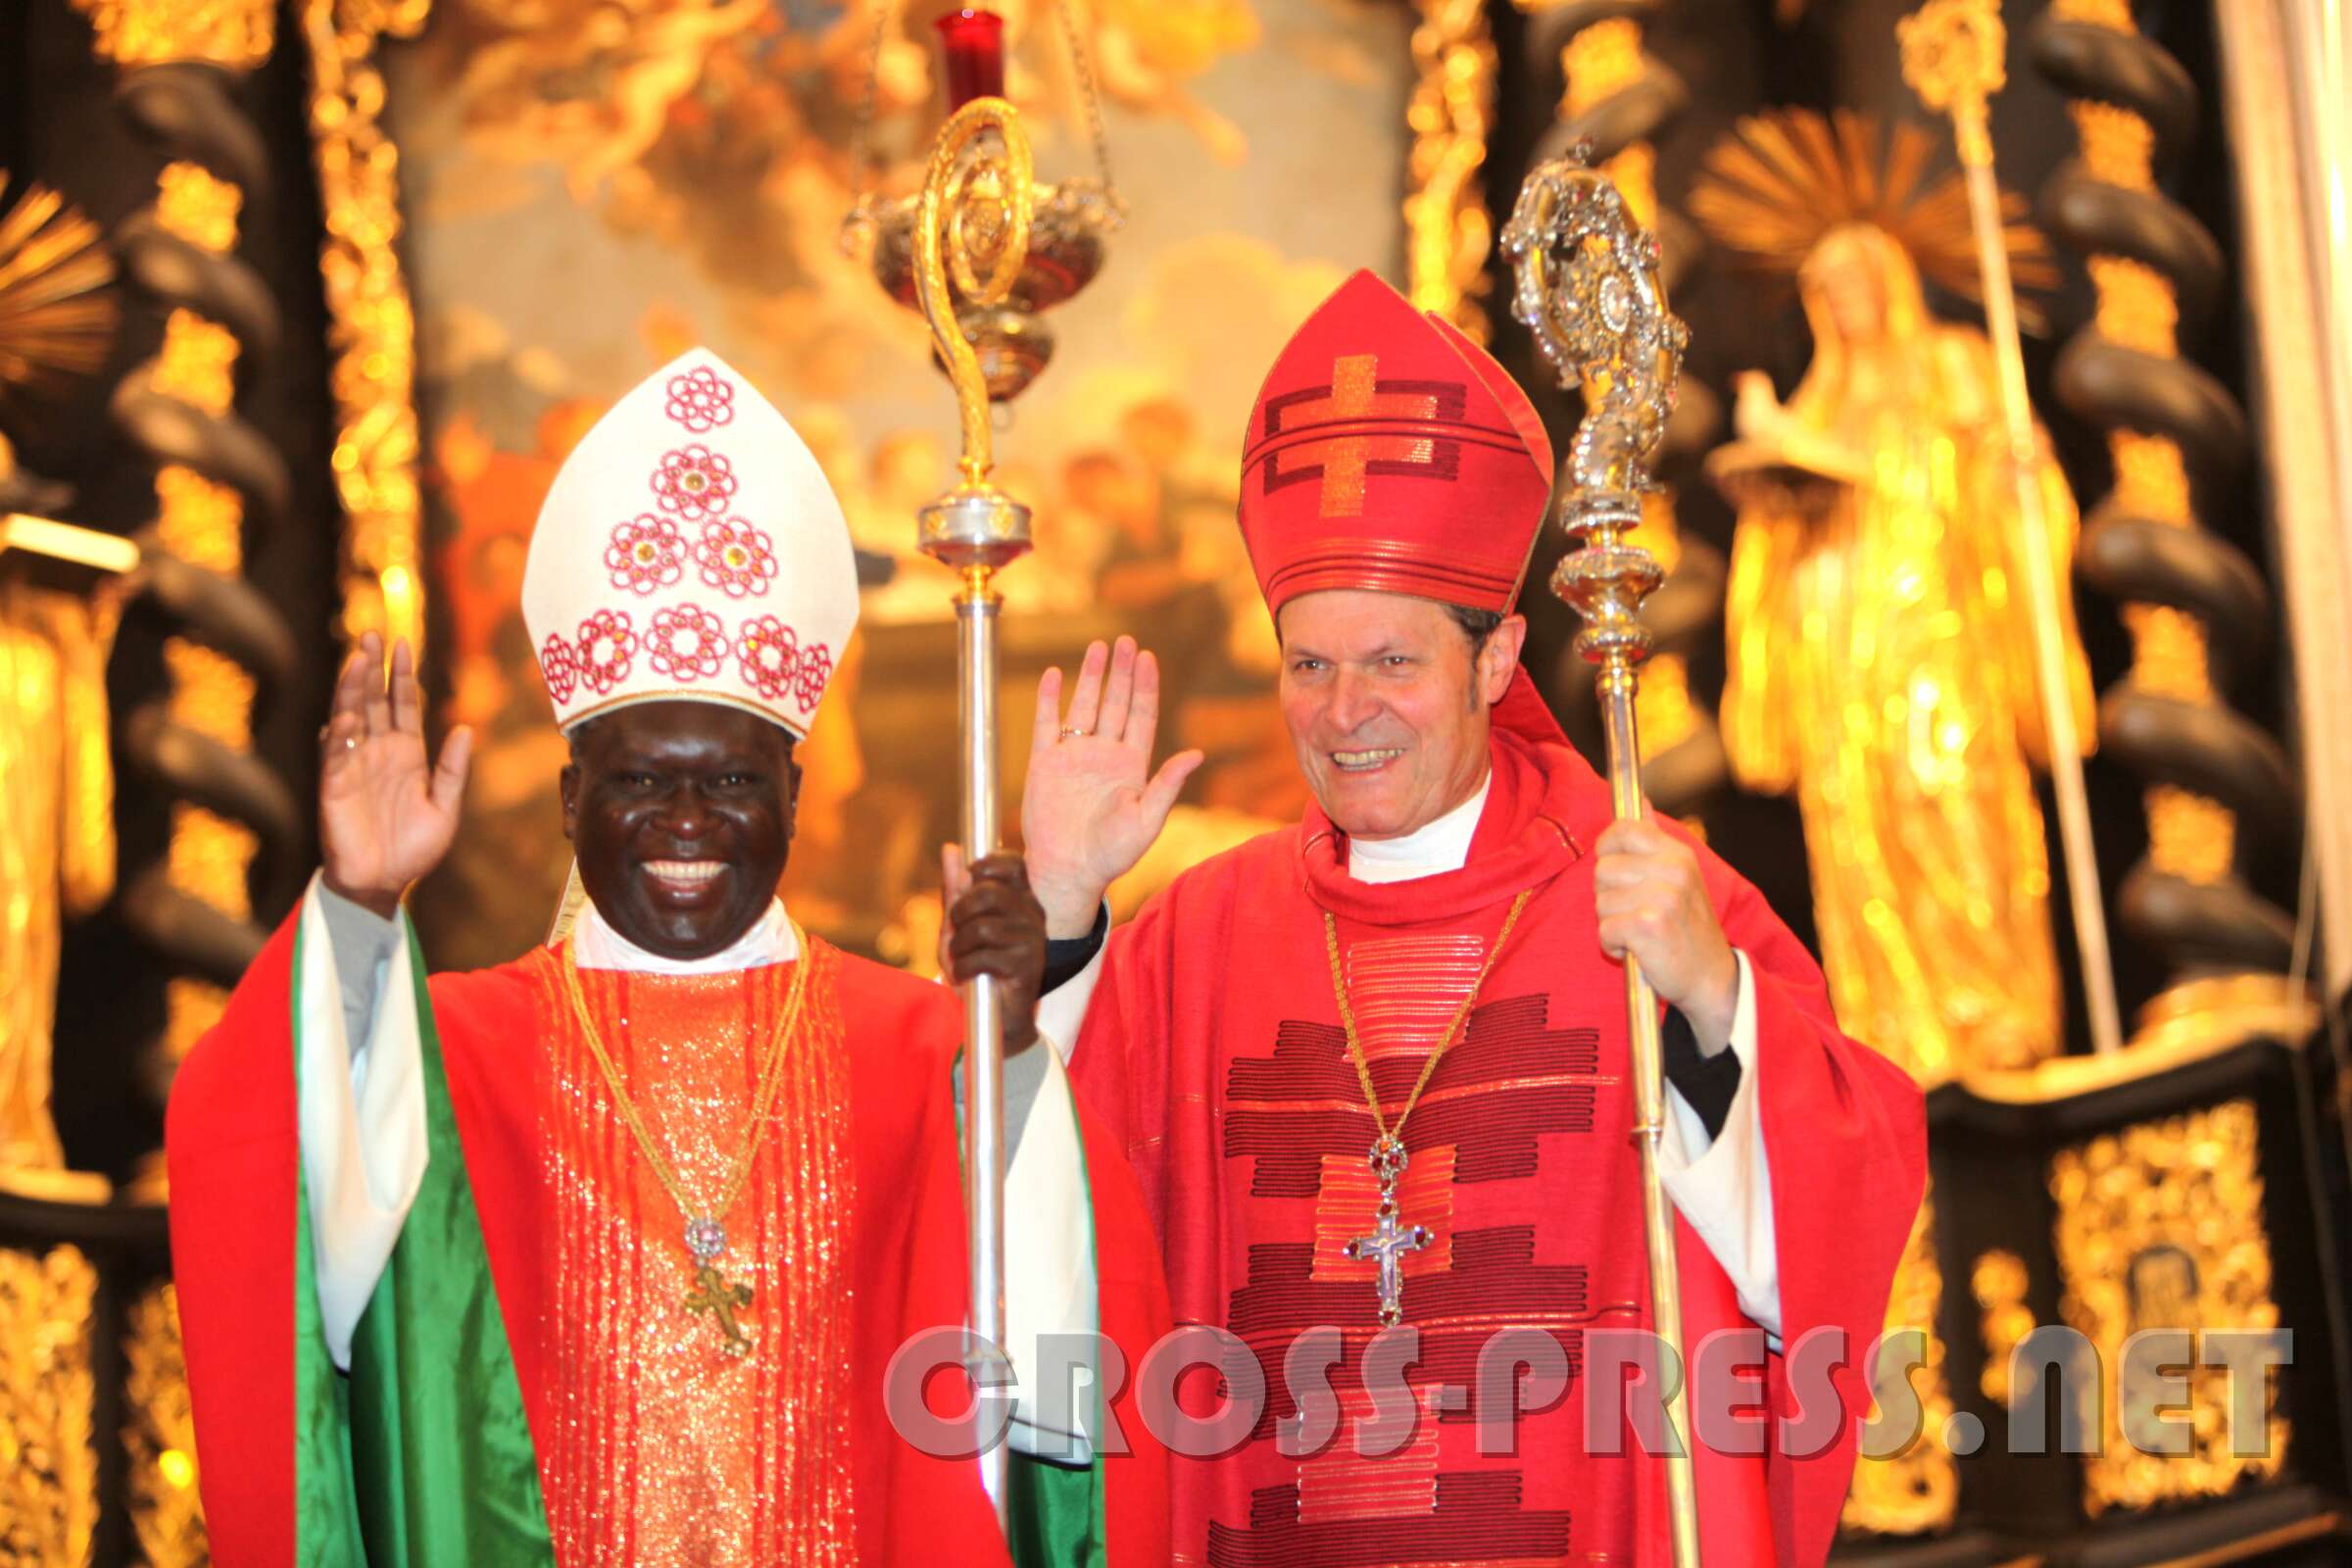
(1434, 847)
(597, 946)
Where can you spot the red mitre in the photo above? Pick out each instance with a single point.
(1388, 451)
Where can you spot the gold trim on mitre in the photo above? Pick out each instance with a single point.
(1772, 188)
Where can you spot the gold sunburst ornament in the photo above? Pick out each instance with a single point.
(1770, 190)
(57, 318)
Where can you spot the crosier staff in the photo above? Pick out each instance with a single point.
(976, 208)
(1952, 59)
(1589, 289)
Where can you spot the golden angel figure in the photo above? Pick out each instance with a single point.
(1879, 644)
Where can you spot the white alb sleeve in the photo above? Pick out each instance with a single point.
(1049, 1299)
(361, 1112)
(1723, 1186)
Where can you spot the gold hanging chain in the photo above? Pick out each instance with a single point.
(1083, 64)
(771, 1077)
(1461, 1014)
(862, 159)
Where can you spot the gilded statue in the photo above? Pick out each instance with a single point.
(57, 833)
(1879, 655)
(57, 836)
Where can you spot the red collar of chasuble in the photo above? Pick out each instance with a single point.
(1545, 807)
(1388, 451)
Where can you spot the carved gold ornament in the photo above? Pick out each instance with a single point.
(48, 1468)
(2160, 1226)
(1447, 235)
(373, 326)
(159, 1435)
(57, 316)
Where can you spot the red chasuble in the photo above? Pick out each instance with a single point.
(531, 1382)
(1213, 1048)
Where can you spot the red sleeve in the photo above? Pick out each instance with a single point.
(231, 1137)
(1119, 1071)
(1845, 1135)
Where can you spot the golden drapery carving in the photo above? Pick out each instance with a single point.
(1880, 656)
(1918, 1490)
(57, 837)
(2160, 1226)
(1447, 233)
(159, 1434)
(48, 1468)
(373, 327)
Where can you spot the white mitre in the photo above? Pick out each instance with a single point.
(690, 549)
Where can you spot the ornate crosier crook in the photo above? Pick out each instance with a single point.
(976, 208)
(1589, 289)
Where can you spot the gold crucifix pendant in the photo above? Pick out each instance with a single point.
(713, 1294)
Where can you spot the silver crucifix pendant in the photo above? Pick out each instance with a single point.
(1387, 1245)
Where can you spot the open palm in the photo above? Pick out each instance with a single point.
(1092, 805)
(385, 816)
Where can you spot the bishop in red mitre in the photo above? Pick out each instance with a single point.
(1372, 1069)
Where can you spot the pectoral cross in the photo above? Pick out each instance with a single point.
(713, 1294)
(1388, 1244)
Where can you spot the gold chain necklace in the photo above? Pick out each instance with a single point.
(706, 1234)
(1390, 1240)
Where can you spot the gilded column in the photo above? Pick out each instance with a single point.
(374, 328)
(180, 62)
(2190, 601)
(1447, 232)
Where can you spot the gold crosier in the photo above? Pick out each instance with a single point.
(1391, 1240)
(978, 202)
(705, 1233)
(1588, 288)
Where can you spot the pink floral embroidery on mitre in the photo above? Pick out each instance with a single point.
(816, 669)
(646, 552)
(735, 557)
(769, 654)
(606, 643)
(700, 401)
(560, 667)
(695, 482)
(686, 643)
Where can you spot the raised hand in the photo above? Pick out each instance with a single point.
(1092, 805)
(384, 817)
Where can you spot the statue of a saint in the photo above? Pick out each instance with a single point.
(1880, 649)
(57, 834)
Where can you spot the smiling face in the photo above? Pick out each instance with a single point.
(681, 816)
(1387, 704)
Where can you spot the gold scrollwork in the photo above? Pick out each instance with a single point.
(159, 1434)
(1999, 1282)
(2161, 1226)
(48, 1467)
(1917, 1491)
(374, 324)
(235, 33)
(1447, 233)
